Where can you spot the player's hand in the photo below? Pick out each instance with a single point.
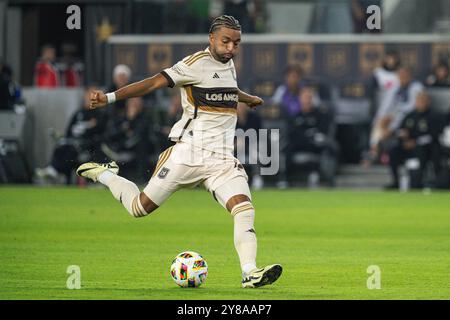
(98, 99)
(255, 101)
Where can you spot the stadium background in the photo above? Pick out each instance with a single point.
(44, 229)
(337, 56)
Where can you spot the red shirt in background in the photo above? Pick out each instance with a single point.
(46, 75)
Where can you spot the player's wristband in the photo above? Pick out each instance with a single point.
(111, 97)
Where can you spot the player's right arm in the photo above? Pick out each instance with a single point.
(182, 73)
(136, 89)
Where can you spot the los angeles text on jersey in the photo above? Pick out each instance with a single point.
(215, 97)
(222, 97)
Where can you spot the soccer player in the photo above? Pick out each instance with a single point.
(203, 152)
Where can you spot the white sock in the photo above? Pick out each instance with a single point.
(105, 177)
(244, 235)
(125, 191)
(246, 268)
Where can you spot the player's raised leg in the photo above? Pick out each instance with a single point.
(137, 204)
(235, 196)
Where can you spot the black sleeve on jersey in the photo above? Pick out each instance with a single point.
(169, 79)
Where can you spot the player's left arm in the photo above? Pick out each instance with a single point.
(251, 101)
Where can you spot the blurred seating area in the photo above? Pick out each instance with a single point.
(400, 123)
(351, 112)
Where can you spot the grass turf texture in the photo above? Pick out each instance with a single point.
(325, 241)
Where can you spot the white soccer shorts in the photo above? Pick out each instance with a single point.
(180, 167)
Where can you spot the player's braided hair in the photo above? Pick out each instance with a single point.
(225, 21)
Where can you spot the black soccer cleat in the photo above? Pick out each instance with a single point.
(262, 277)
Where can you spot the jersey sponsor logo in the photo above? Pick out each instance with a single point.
(215, 97)
(222, 97)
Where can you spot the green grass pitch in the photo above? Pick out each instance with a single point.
(325, 241)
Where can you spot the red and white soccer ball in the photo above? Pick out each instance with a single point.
(189, 269)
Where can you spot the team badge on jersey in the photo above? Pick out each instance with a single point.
(163, 173)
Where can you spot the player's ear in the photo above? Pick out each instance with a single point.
(211, 37)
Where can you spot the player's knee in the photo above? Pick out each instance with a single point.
(148, 205)
(240, 204)
(143, 206)
(237, 200)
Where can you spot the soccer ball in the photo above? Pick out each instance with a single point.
(189, 269)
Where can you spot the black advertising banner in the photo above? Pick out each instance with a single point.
(260, 66)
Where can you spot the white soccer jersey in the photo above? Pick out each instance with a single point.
(387, 80)
(209, 96)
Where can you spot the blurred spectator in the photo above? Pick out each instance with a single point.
(81, 143)
(175, 110)
(391, 113)
(121, 78)
(249, 120)
(286, 98)
(70, 66)
(46, 75)
(440, 76)
(173, 114)
(384, 82)
(444, 142)
(9, 91)
(286, 95)
(127, 140)
(161, 120)
(416, 143)
(311, 131)
(258, 16)
(360, 16)
(385, 77)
